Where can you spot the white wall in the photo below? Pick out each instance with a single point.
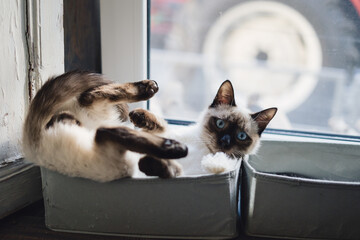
(44, 50)
(13, 76)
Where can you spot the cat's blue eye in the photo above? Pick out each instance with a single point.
(220, 123)
(241, 136)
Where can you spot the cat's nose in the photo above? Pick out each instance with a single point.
(225, 140)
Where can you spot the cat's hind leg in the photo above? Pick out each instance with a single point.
(119, 93)
(147, 121)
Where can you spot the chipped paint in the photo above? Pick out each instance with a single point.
(31, 34)
(12, 76)
(4, 120)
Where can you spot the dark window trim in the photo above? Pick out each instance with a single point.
(148, 44)
(292, 133)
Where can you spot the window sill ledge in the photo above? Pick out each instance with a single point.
(20, 185)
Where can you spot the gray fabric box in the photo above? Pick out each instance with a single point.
(187, 207)
(302, 190)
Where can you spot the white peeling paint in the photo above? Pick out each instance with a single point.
(45, 53)
(13, 77)
(4, 120)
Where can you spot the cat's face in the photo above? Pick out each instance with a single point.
(228, 129)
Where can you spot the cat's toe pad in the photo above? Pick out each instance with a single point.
(138, 118)
(147, 89)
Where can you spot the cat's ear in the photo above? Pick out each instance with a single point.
(225, 95)
(263, 118)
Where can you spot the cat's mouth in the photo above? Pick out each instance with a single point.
(231, 153)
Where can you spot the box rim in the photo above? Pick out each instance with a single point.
(188, 178)
(296, 180)
(143, 236)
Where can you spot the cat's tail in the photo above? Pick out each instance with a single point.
(52, 97)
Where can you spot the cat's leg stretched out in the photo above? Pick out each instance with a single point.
(140, 142)
(119, 93)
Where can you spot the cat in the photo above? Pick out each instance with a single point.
(77, 124)
(223, 134)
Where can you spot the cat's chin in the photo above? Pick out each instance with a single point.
(229, 153)
(233, 155)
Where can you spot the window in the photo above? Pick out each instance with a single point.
(302, 56)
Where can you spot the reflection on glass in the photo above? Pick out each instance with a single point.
(302, 56)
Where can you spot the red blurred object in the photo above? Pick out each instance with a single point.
(162, 12)
(356, 4)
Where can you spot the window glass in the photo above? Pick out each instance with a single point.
(302, 56)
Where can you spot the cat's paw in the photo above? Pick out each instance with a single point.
(138, 118)
(159, 167)
(146, 120)
(146, 89)
(172, 149)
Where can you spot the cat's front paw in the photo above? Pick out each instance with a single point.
(159, 167)
(146, 89)
(146, 120)
(172, 149)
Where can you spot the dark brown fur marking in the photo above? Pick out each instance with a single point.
(128, 92)
(225, 95)
(231, 129)
(141, 142)
(263, 118)
(64, 118)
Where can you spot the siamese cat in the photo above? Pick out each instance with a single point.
(223, 134)
(78, 125)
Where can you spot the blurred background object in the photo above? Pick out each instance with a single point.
(299, 55)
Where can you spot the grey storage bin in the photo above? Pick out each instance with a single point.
(187, 207)
(303, 191)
